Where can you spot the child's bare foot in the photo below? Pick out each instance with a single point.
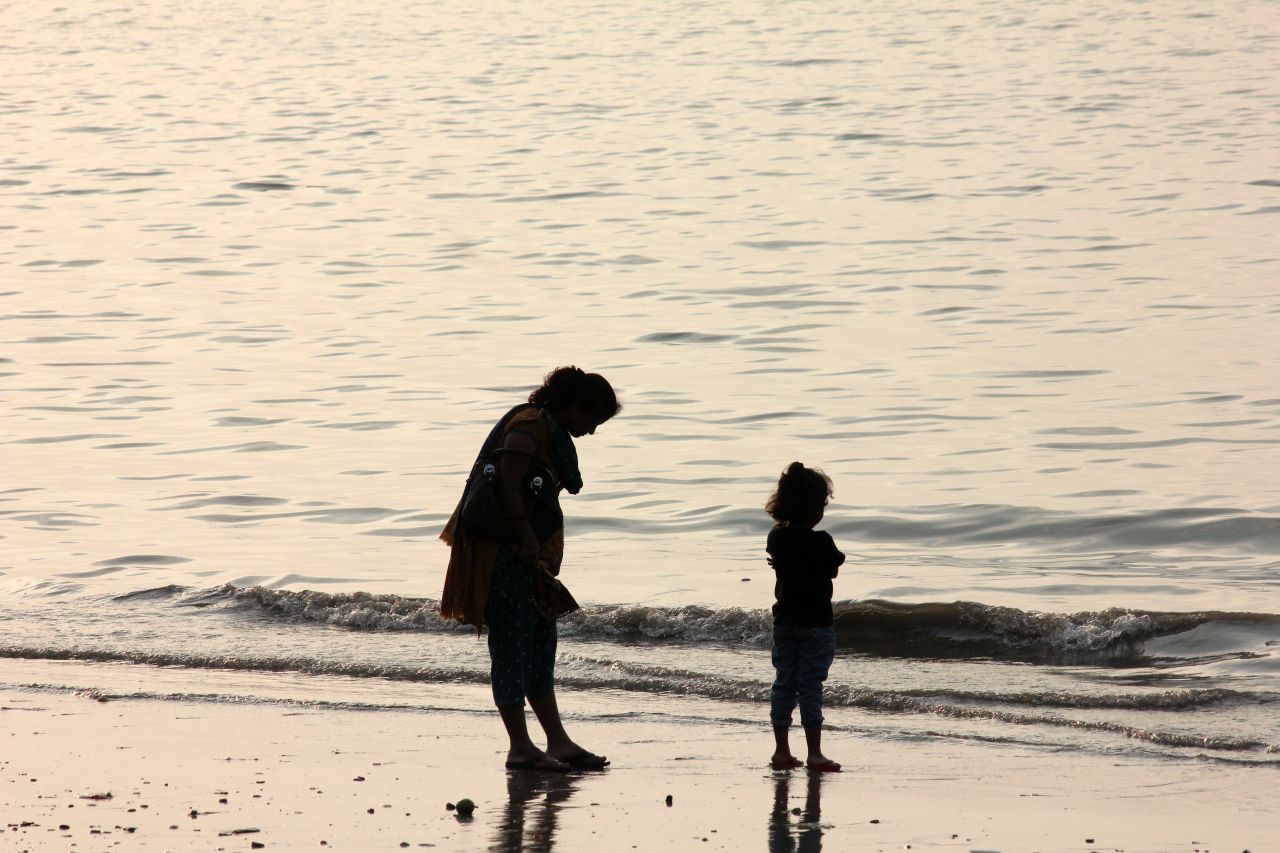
(822, 764)
(784, 761)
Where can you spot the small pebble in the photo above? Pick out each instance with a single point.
(795, 811)
(669, 799)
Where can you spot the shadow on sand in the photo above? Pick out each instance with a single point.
(534, 801)
(804, 833)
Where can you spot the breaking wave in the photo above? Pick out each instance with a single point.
(952, 629)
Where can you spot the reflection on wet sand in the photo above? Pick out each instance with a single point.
(805, 834)
(521, 831)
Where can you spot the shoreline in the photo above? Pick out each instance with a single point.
(143, 774)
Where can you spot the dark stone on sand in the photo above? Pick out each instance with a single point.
(370, 811)
(358, 779)
(256, 845)
(449, 807)
(404, 843)
(1088, 841)
(222, 800)
(877, 820)
(193, 814)
(63, 827)
(669, 799)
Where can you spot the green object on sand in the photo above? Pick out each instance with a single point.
(465, 807)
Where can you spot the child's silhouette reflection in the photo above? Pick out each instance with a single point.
(805, 834)
(520, 831)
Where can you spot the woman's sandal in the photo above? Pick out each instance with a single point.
(541, 764)
(827, 766)
(585, 760)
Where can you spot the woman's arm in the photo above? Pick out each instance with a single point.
(511, 470)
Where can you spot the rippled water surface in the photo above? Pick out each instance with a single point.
(1006, 271)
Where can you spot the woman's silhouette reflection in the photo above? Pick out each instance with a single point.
(521, 831)
(805, 835)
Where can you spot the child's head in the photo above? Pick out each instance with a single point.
(801, 496)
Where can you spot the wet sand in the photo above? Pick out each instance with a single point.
(78, 773)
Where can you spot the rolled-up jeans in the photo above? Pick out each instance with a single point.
(802, 657)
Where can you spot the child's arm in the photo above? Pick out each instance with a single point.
(835, 555)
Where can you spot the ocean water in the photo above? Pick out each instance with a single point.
(1006, 271)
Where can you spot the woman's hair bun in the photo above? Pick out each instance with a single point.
(567, 385)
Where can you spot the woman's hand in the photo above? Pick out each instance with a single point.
(529, 554)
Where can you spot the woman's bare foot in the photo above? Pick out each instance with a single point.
(784, 761)
(821, 764)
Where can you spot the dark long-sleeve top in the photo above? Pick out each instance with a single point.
(804, 560)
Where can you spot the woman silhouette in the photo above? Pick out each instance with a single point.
(505, 584)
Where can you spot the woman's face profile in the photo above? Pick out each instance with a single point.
(579, 422)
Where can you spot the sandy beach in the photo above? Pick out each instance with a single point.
(80, 773)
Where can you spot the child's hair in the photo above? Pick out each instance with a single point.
(565, 386)
(801, 494)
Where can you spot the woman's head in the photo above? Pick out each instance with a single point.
(580, 401)
(801, 496)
